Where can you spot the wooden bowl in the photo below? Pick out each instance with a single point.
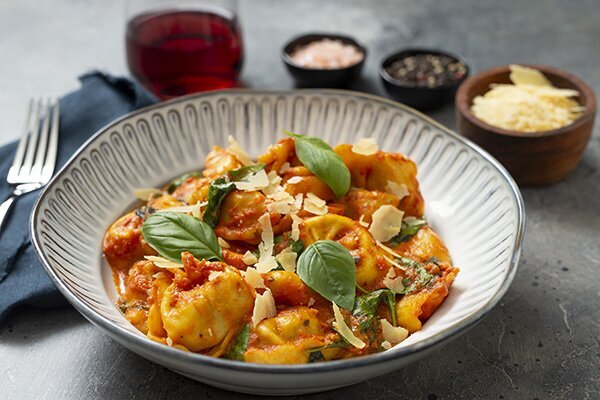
(533, 159)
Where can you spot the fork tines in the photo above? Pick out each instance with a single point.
(36, 153)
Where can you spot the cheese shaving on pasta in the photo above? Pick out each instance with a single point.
(223, 243)
(253, 278)
(257, 181)
(315, 205)
(391, 333)
(296, 221)
(162, 262)
(287, 259)
(365, 147)
(249, 258)
(340, 325)
(264, 307)
(400, 190)
(391, 280)
(387, 222)
(266, 261)
(235, 149)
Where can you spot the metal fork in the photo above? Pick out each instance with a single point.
(35, 158)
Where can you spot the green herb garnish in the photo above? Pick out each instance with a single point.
(321, 160)
(365, 309)
(170, 233)
(328, 268)
(239, 345)
(217, 191)
(423, 278)
(407, 231)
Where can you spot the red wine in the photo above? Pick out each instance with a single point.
(176, 52)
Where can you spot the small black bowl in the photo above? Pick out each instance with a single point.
(420, 97)
(316, 77)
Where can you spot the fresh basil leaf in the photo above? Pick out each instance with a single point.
(171, 233)
(217, 191)
(328, 268)
(243, 172)
(407, 231)
(239, 345)
(321, 160)
(175, 183)
(365, 308)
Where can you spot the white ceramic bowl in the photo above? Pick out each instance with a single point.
(470, 200)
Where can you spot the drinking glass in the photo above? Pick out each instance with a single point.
(175, 49)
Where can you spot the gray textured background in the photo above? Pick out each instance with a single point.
(542, 341)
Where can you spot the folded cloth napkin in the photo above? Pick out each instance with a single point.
(101, 99)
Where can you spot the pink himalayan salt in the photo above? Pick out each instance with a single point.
(326, 54)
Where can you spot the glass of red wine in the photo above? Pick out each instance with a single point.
(175, 50)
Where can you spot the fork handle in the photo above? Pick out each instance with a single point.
(5, 208)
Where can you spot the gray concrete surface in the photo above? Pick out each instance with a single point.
(542, 341)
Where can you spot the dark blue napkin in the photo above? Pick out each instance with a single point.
(101, 99)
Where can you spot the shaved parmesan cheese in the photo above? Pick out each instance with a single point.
(294, 179)
(386, 345)
(392, 281)
(298, 202)
(388, 250)
(253, 278)
(520, 75)
(365, 147)
(361, 221)
(145, 194)
(391, 333)
(284, 167)
(266, 261)
(315, 205)
(387, 222)
(392, 262)
(223, 243)
(400, 190)
(264, 307)
(311, 301)
(296, 221)
(169, 342)
(195, 210)
(532, 104)
(235, 149)
(274, 183)
(249, 258)
(214, 275)
(283, 202)
(159, 275)
(340, 325)
(257, 181)
(287, 259)
(411, 220)
(162, 262)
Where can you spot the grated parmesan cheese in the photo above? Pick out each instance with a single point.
(264, 307)
(398, 189)
(340, 325)
(235, 149)
(365, 147)
(386, 223)
(530, 104)
(162, 262)
(391, 333)
(386, 345)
